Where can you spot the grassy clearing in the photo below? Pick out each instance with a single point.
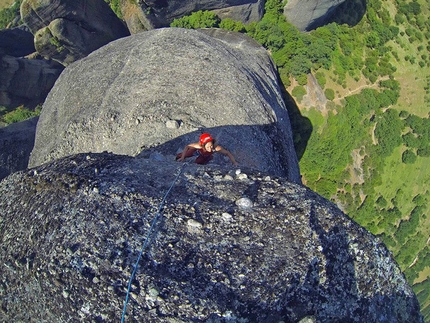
(423, 275)
(416, 182)
(412, 76)
(403, 189)
(6, 3)
(412, 80)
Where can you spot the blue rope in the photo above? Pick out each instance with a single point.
(146, 243)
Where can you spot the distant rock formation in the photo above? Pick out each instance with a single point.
(66, 31)
(25, 78)
(125, 97)
(228, 246)
(16, 143)
(25, 81)
(147, 15)
(310, 14)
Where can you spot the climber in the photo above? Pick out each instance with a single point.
(204, 150)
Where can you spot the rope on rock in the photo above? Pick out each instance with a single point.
(145, 243)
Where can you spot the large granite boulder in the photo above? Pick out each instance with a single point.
(310, 14)
(223, 246)
(25, 81)
(158, 90)
(146, 15)
(67, 31)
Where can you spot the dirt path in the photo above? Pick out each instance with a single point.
(359, 88)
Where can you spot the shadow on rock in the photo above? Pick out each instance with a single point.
(261, 147)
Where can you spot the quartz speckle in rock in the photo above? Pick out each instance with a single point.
(295, 257)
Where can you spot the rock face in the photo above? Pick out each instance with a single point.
(227, 246)
(146, 15)
(25, 78)
(26, 81)
(16, 41)
(69, 30)
(307, 15)
(158, 90)
(16, 143)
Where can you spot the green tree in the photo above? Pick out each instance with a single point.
(299, 92)
(329, 94)
(409, 157)
(372, 40)
(198, 19)
(388, 132)
(320, 77)
(230, 24)
(424, 152)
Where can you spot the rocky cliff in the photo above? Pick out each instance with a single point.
(146, 15)
(66, 31)
(307, 15)
(158, 90)
(26, 81)
(228, 245)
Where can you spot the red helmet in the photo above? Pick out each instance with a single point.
(205, 138)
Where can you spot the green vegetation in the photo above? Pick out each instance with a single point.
(199, 19)
(21, 113)
(299, 92)
(115, 6)
(8, 14)
(370, 154)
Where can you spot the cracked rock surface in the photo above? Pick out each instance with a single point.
(228, 245)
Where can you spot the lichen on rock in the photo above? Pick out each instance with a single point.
(72, 229)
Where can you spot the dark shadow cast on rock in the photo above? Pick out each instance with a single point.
(301, 126)
(16, 143)
(334, 298)
(261, 147)
(349, 12)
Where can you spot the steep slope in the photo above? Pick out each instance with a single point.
(228, 246)
(124, 97)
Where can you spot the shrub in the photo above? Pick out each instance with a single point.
(409, 157)
(419, 200)
(329, 94)
(424, 152)
(20, 114)
(321, 79)
(299, 92)
(381, 202)
(198, 19)
(115, 5)
(403, 114)
(230, 24)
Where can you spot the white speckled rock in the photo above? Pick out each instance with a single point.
(70, 238)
